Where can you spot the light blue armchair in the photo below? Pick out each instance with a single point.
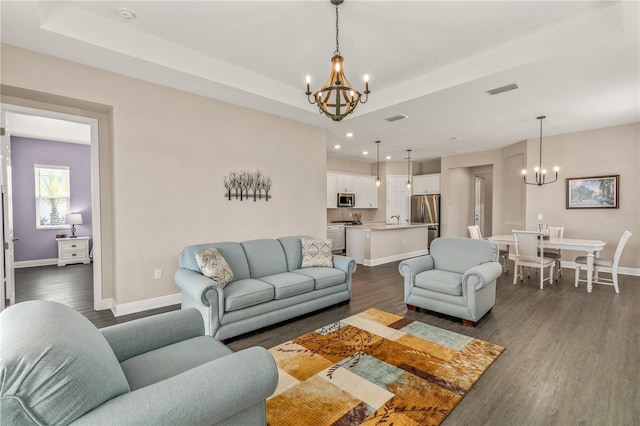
(457, 278)
(56, 368)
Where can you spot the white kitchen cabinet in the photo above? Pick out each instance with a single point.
(73, 250)
(426, 184)
(362, 186)
(350, 183)
(369, 196)
(332, 190)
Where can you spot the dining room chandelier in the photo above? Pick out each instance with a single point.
(540, 172)
(337, 98)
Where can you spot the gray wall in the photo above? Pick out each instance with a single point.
(611, 150)
(162, 161)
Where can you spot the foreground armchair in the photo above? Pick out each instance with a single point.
(56, 368)
(457, 278)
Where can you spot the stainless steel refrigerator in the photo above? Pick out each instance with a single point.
(426, 209)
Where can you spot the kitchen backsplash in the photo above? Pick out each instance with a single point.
(348, 213)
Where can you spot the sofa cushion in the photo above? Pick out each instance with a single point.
(55, 365)
(461, 254)
(242, 293)
(316, 253)
(440, 281)
(324, 277)
(168, 361)
(265, 257)
(288, 284)
(232, 252)
(213, 265)
(293, 251)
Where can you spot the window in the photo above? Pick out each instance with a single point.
(52, 196)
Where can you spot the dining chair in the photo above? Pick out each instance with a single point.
(555, 232)
(476, 234)
(603, 265)
(527, 244)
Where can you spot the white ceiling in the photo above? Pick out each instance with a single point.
(577, 62)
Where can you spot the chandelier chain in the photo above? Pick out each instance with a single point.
(337, 52)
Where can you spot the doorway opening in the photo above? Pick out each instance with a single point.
(40, 126)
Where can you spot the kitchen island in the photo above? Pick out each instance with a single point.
(378, 243)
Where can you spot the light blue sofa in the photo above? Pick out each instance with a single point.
(269, 285)
(56, 368)
(457, 278)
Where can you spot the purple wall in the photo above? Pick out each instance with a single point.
(34, 244)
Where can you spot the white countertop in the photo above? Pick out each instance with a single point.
(386, 226)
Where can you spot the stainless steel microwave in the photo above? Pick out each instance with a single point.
(346, 200)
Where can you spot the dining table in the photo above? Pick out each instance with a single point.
(590, 247)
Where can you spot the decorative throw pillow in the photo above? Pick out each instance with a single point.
(316, 253)
(214, 266)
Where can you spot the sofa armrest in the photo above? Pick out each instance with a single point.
(197, 285)
(133, 338)
(409, 268)
(344, 263)
(481, 275)
(206, 394)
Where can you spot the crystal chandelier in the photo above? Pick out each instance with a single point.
(337, 98)
(540, 172)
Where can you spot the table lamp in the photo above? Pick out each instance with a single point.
(73, 219)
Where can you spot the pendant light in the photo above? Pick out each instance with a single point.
(378, 165)
(337, 98)
(408, 169)
(540, 172)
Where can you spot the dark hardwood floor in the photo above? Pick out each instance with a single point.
(571, 358)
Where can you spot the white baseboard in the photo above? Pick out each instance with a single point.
(37, 262)
(621, 269)
(105, 304)
(144, 305)
(572, 265)
(396, 257)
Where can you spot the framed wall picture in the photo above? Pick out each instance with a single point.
(595, 192)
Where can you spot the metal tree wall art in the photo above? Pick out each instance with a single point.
(239, 185)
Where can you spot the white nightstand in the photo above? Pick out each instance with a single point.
(73, 250)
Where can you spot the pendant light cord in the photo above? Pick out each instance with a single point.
(540, 163)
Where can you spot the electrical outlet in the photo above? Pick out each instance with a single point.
(540, 216)
(157, 274)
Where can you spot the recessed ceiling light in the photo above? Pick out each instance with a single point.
(336, 146)
(126, 13)
(388, 157)
(365, 152)
(349, 135)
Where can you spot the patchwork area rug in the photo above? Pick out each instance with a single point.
(375, 368)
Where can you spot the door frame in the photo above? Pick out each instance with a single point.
(95, 184)
(478, 203)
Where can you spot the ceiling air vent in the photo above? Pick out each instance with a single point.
(397, 117)
(502, 89)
